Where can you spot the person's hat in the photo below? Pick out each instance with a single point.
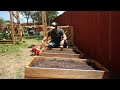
(53, 25)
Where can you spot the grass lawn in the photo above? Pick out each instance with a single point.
(13, 58)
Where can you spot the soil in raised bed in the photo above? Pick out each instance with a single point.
(61, 64)
(64, 51)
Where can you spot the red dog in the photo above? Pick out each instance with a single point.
(35, 50)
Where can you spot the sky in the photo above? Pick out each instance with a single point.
(5, 15)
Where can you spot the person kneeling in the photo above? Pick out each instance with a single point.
(58, 37)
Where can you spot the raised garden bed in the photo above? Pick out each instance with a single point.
(67, 52)
(64, 68)
(5, 41)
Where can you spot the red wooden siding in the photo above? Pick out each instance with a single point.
(115, 42)
(97, 34)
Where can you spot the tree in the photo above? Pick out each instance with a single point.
(37, 16)
(33, 16)
(26, 14)
(50, 15)
(1, 21)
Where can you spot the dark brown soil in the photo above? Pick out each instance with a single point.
(64, 51)
(61, 64)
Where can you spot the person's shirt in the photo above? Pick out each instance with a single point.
(55, 35)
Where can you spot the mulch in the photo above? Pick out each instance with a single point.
(61, 64)
(64, 51)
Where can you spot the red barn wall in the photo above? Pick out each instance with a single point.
(96, 34)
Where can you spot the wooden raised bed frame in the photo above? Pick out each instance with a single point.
(56, 73)
(5, 41)
(65, 55)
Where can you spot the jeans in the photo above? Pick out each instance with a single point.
(56, 44)
(53, 44)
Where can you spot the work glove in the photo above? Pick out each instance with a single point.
(62, 43)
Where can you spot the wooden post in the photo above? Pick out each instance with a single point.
(46, 32)
(18, 22)
(44, 23)
(11, 21)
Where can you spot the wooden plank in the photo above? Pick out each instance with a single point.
(60, 55)
(107, 72)
(18, 22)
(56, 73)
(65, 55)
(44, 23)
(65, 49)
(72, 35)
(63, 73)
(33, 60)
(100, 66)
(36, 78)
(78, 60)
(5, 41)
(11, 22)
(46, 30)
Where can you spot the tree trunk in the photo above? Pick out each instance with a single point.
(27, 21)
(33, 22)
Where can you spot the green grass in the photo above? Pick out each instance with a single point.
(29, 41)
(10, 48)
(13, 58)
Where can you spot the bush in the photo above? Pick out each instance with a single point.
(4, 35)
(1, 36)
